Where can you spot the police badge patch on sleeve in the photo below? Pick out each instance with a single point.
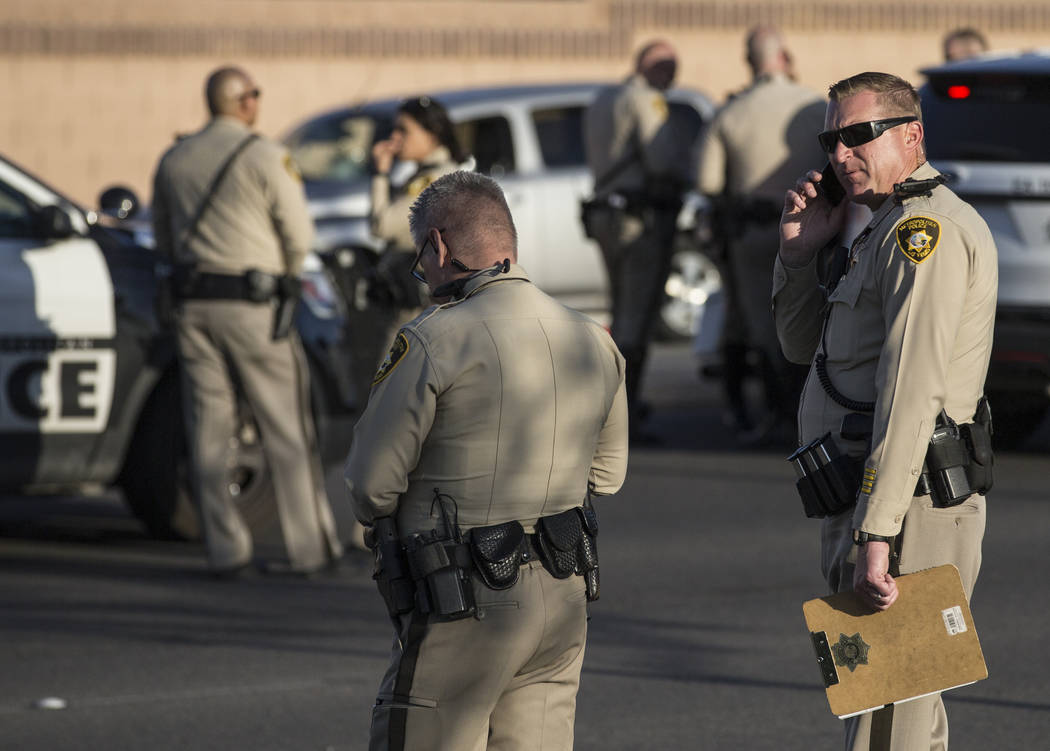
(418, 185)
(292, 168)
(660, 107)
(397, 351)
(917, 237)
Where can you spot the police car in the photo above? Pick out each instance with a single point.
(985, 122)
(530, 140)
(89, 387)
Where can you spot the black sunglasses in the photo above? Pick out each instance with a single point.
(417, 272)
(253, 94)
(860, 133)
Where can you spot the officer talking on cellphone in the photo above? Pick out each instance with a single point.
(894, 429)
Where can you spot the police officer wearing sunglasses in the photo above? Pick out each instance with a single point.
(898, 331)
(229, 213)
(494, 418)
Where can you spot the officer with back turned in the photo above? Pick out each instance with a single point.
(494, 418)
(758, 143)
(896, 452)
(229, 211)
(641, 167)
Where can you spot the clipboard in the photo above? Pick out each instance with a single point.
(925, 643)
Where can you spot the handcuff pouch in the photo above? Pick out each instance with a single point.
(497, 553)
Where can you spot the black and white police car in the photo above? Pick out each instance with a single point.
(89, 387)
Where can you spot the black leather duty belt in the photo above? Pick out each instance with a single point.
(254, 286)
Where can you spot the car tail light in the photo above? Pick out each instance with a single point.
(958, 91)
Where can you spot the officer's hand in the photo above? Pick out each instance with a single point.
(808, 222)
(383, 153)
(871, 577)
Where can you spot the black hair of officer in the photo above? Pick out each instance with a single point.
(433, 118)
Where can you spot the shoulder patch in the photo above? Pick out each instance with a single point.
(292, 167)
(917, 237)
(660, 106)
(397, 352)
(418, 185)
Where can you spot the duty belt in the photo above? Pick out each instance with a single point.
(253, 286)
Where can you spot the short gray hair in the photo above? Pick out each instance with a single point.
(472, 208)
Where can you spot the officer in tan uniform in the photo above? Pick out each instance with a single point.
(496, 414)
(756, 147)
(229, 211)
(641, 167)
(899, 353)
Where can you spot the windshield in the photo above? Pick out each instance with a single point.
(337, 147)
(987, 117)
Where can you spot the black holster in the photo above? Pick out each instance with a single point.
(568, 545)
(289, 290)
(391, 569)
(441, 569)
(959, 461)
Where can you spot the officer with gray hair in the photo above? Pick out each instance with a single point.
(496, 416)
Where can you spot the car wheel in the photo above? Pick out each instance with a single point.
(693, 278)
(1015, 417)
(156, 477)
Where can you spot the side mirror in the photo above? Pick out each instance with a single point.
(118, 202)
(54, 224)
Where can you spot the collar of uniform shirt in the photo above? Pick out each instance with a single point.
(495, 275)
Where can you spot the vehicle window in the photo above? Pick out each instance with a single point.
(16, 215)
(560, 133)
(987, 118)
(489, 140)
(337, 148)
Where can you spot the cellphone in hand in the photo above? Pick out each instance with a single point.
(830, 186)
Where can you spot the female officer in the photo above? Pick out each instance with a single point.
(422, 134)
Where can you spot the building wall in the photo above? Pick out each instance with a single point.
(97, 89)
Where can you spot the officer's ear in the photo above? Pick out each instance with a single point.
(442, 250)
(913, 135)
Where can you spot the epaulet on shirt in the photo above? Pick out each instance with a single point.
(915, 188)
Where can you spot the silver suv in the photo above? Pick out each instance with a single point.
(986, 128)
(530, 139)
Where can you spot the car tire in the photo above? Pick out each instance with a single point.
(693, 278)
(1015, 417)
(156, 477)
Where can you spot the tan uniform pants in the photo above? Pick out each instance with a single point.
(932, 537)
(505, 680)
(225, 349)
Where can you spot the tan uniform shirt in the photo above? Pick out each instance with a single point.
(257, 219)
(762, 140)
(390, 208)
(634, 118)
(910, 328)
(505, 400)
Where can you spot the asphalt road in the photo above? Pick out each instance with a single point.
(697, 642)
